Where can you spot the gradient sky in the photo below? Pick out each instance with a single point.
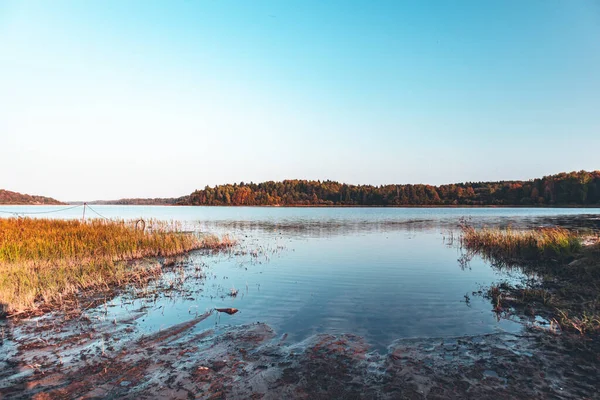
(111, 99)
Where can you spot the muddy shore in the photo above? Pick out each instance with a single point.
(86, 352)
(82, 356)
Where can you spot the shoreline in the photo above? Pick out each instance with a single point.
(597, 206)
(96, 357)
(100, 350)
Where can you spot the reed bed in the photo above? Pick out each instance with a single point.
(43, 260)
(531, 245)
(568, 263)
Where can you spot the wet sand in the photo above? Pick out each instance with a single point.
(80, 356)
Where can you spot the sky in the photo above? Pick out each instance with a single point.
(114, 99)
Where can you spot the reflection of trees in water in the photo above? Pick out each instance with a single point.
(335, 227)
(322, 228)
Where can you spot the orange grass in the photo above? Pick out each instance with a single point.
(42, 260)
(533, 244)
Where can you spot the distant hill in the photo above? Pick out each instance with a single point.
(138, 202)
(564, 189)
(8, 197)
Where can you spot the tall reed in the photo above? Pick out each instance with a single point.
(42, 260)
(532, 245)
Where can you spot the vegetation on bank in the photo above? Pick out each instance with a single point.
(567, 292)
(43, 260)
(8, 197)
(575, 188)
(530, 245)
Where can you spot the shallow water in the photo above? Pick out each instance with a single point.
(380, 273)
(382, 286)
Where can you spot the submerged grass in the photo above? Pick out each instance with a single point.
(43, 260)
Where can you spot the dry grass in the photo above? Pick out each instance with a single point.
(568, 263)
(532, 245)
(213, 242)
(42, 260)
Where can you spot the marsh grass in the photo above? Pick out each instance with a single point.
(567, 263)
(44, 260)
(542, 244)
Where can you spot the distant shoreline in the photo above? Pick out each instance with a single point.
(576, 189)
(316, 206)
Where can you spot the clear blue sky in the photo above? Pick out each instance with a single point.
(112, 99)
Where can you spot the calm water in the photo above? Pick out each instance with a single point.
(380, 273)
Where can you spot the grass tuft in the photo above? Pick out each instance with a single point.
(529, 245)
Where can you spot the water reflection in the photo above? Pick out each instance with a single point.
(382, 285)
(316, 229)
(302, 227)
(383, 274)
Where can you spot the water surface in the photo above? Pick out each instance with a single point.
(380, 273)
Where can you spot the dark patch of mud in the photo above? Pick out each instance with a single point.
(110, 359)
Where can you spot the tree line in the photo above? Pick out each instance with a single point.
(575, 188)
(8, 197)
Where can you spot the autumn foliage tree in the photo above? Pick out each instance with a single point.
(574, 188)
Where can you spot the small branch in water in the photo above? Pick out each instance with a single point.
(229, 311)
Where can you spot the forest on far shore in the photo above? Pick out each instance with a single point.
(8, 197)
(564, 189)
